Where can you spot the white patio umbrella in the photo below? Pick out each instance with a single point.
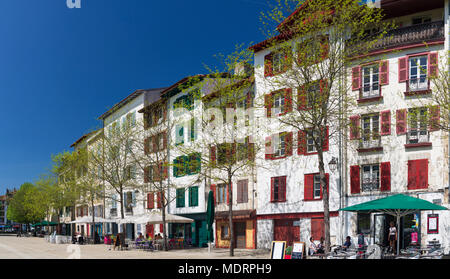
(155, 217)
(88, 219)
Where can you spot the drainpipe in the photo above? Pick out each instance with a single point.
(447, 50)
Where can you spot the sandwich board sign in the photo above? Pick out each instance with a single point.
(278, 250)
(298, 250)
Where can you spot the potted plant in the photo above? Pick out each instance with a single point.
(288, 253)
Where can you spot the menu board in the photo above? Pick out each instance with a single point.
(298, 250)
(278, 250)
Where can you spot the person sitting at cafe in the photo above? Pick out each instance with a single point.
(148, 237)
(140, 237)
(158, 236)
(312, 246)
(321, 246)
(347, 243)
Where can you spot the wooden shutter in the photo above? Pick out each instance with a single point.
(146, 146)
(385, 176)
(433, 64)
(309, 187)
(385, 122)
(151, 200)
(355, 186)
(434, 118)
(317, 228)
(289, 143)
(272, 183)
(288, 100)
(401, 124)
(282, 187)
(301, 150)
(159, 199)
(146, 173)
(161, 228)
(155, 143)
(268, 104)
(325, 144)
(355, 127)
(356, 78)
(268, 149)
(402, 69)
(213, 189)
(268, 65)
(302, 93)
(384, 72)
(418, 174)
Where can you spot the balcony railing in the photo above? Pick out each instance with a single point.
(370, 144)
(417, 137)
(408, 35)
(370, 184)
(113, 212)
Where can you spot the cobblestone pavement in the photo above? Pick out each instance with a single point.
(12, 247)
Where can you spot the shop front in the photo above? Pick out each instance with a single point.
(244, 226)
(194, 233)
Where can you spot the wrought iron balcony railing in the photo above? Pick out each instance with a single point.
(417, 136)
(369, 143)
(113, 212)
(370, 184)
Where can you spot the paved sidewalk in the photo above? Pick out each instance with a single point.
(12, 247)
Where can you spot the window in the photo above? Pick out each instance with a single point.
(370, 178)
(417, 121)
(312, 190)
(221, 195)
(418, 79)
(363, 223)
(418, 174)
(370, 80)
(316, 187)
(224, 232)
(242, 191)
(278, 102)
(278, 189)
(370, 131)
(280, 147)
(130, 172)
(193, 196)
(179, 134)
(310, 145)
(180, 197)
(421, 19)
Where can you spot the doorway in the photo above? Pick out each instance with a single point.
(409, 230)
(239, 235)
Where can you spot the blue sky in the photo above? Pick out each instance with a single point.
(61, 68)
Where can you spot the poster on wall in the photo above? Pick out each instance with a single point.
(433, 223)
(298, 250)
(278, 250)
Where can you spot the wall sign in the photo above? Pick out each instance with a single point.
(298, 250)
(278, 250)
(433, 224)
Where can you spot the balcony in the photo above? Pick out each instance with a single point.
(370, 184)
(411, 35)
(370, 94)
(417, 138)
(417, 86)
(370, 145)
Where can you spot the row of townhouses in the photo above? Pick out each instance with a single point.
(280, 197)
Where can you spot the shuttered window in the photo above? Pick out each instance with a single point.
(242, 191)
(418, 174)
(193, 196)
(312, 189)
(180, 197)
(278, 189)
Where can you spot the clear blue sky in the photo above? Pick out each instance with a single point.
(61, 68)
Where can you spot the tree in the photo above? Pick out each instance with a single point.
(27, 205)
(316, 46)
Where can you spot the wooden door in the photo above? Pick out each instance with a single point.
(317, 228)
(284, 230)
(240, 235)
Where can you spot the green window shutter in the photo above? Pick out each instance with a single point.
(193, 196)
(180, 197)
(192, 128)
(175, 168)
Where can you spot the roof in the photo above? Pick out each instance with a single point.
(83, 137)
(129, 98)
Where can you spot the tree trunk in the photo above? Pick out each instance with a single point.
(165, 248)
(230, 213)
(93, 220)
(326, 204)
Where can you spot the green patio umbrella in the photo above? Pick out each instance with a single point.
(210, 217)
(45, 223)
(397, 205)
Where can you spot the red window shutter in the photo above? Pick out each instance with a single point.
(356, 78)
(146, 146)
(268, 65)
(212, 154)
(325, 146)
(354, 127)
(401, 124)
(288, 100)
(384, 72)
(403, 69)
(418, 174)
(269, 150)
(151, 200)
(309, 187)
(282, 193)
(301, 98)
(355, 186)
(434, 119)
(161, 228)
(317, 228)
(385, 176)
(385, 122)
(268, 104)
(213, 189)
(324, 47)
(433, 64)
(146, 172)
(272, 182)
(155, 143)
(159, 200)
(289, 143)
(301, 150)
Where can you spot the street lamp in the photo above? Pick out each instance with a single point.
(333, 164)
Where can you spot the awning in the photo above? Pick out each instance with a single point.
(45, 223)
(156, 218)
